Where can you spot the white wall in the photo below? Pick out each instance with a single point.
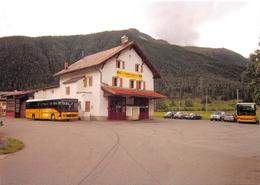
(130, 57)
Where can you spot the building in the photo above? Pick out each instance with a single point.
(115, 84)
(16, 101)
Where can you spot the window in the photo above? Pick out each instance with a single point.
(138, 68)
(87, 106)
(117, 82)
(120, 64)
(67, 90)
(138, 84)
(131, 83)
(114, 81)
(88, 81)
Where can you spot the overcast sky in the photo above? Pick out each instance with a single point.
(231, 24)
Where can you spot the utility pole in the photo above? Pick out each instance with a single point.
(237, 96)
(206, 103)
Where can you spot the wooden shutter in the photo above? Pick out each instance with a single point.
(85, 82)
(90, 81)
(136, 67)
(137, 84)
(121, 82)
(87, 106)
(123, 64)
(142, 68)
(113, 81)
(67, 90)
(144, 85)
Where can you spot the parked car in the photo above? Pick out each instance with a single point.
(229, 118)
(179, 115)
(217, 116)
(168, 115)
(194, 116)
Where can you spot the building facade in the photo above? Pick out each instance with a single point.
(116, 84)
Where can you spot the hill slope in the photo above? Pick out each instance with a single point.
(27, 62)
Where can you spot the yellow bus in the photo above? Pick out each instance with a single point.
(52, 109)
(246, 112)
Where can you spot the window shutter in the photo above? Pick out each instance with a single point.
(137, 84)
(113, 81)
(87, 106)
(136, 67)
(144, 85)
(121, 82)
(90, 81)
(67, 90)
(142, 68)
(123, 65)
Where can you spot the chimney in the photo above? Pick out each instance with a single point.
(66, 65)
(124, 39)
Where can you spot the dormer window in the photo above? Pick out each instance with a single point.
(120, 64)
(138, 68)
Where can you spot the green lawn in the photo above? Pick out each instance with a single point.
(13, 145)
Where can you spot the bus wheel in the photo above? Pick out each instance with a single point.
(33, 117)
(52, 117)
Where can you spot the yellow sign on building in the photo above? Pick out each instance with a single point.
(131, 75)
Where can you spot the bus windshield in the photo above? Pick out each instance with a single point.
(246, 109)
(69, 106)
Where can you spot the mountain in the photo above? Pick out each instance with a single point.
(30, 62)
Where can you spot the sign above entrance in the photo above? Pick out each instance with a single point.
(131, 75)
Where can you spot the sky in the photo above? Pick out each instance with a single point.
(234, 25)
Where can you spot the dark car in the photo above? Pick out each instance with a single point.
(194, 116)
(169, 115)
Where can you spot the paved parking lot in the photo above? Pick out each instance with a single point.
(157, 152)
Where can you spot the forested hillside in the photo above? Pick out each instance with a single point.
(27, 63)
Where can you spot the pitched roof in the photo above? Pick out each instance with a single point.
(19, 93)
(72, 80)
(132, 92)
(103, 56)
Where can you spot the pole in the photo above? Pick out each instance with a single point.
(206, 103)
(237, 96)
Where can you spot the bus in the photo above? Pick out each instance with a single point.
(52, 109)
(246, 112)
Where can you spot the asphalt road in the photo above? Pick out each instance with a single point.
(157, 152)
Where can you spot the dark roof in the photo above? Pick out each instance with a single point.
(132, 92)
(19, 93)
(103, 56)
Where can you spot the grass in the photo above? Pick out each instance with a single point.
(13, 145)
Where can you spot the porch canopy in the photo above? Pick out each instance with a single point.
(132, 92)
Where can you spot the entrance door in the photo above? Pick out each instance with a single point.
(116, 108)
(143, 103)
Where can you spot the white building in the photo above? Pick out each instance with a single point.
(113, 84)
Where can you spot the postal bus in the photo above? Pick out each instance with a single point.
(246, 112)
(52, 109)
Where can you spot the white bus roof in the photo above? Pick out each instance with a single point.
(35, 100)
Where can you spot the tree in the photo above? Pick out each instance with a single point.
(253, 73)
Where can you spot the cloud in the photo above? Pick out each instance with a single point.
(177, 22)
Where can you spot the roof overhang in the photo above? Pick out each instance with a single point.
(132, 92)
